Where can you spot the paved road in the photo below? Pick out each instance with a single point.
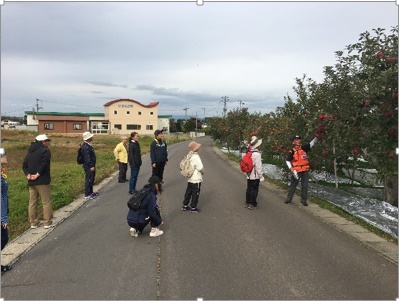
(225, 252)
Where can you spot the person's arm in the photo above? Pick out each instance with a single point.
(4, 204)
(116, 152)
(259, 166)
(198, 164)
(153, 210)
(288, 160)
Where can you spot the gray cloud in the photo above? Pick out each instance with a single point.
(177, 53)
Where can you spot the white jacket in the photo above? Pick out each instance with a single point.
(199, 168)
(257, 171)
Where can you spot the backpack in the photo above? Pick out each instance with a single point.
(80, 159)
(134, 203)
(246, 163)
(186, 168)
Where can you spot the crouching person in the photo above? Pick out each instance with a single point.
(148, 213)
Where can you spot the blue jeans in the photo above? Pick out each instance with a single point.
(134, 173)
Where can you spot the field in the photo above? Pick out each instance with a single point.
(67, 177)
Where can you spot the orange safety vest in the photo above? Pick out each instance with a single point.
(300, 160)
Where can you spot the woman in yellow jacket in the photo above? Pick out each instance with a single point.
(120, 153)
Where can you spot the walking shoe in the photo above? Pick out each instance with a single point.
(35, 226)
(133, 232)
(304, 203)
(250, 207)
(287, 202)
(185, 208)
(195, 210)
(87, 196)
(156, 233)
(53, 224)
(246, 205)
(5, 268)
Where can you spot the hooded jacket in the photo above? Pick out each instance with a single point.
(38, 161)
(198, 168)
(158, 151)
(148, 210)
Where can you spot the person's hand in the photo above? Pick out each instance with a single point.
(262, 179)
(92, 168)
(161, 223)
(5, 225)
(153, 165)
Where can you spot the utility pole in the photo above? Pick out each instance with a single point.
(204, 114)
(185, 109)
(225, 100)
(37, 105)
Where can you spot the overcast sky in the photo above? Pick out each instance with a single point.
(76, 56)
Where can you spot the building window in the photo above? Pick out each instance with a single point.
(139, 113)
(149, 127)
(77, 126)
(115, 112)
(49, 126)
(117, 126)
(133, 127)
(151, 113)
(128, 113)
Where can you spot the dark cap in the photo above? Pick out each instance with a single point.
(157, 132)
(296, 137)
(154, 180)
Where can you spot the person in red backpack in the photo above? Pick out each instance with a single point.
(297, 161)
(255, 176)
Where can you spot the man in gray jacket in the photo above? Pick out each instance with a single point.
(36, 167)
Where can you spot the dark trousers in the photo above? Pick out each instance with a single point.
(139, 226)
(4, 237)
(158, 170)
(304, 178)
(89, 180)
(252, 191)
(122, 172)
(134, 173)
(192, 193)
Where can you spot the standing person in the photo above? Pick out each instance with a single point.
(159, 155)
(36, 167)
(255, 176)
(89, 165)
(4, 210)
(148, 212)
(134, 158)
(194, 182)
(297, 161)
(120, 153)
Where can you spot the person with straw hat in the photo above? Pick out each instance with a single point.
(255, 176)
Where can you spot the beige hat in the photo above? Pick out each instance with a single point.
(42, 137)
(255, 142)
(87, 136)
(194, 146)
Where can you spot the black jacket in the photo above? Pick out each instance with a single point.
(89, 155)
(38, 161)
(148, 209)
(134, 154)
(158, 151)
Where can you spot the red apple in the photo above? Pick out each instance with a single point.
(379, 54)
(325, 153)
(391, 59)
(355, 151)
(366, 104)
(388, 114)
(395, 95)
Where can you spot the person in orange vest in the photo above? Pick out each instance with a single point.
(297, 161)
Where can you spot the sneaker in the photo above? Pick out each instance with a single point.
(287, 202)
(5, 268)
(35, 226)
(156, 233)
(304, 203)
(250, 207)
(133, 232)
(195, 210)
(50, 226)
(185, 208)
(246, 205)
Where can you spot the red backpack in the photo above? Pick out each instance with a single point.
(246, 163)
